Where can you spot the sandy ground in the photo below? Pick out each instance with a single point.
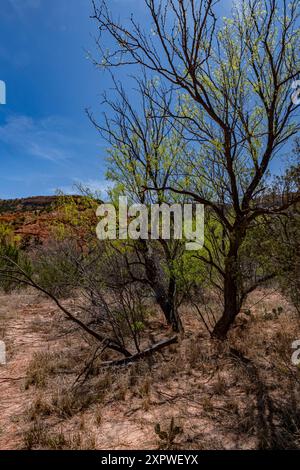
(18, 316)
(192, 382)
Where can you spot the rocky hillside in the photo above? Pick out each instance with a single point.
(31, 218)
(30, 204)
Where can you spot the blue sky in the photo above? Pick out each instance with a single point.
(46, 140)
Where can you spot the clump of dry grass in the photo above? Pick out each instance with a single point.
(40, 407)
(38, 436)
(66, 403)
(43, 365)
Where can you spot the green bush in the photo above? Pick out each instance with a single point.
(56, 270)
(10, 257)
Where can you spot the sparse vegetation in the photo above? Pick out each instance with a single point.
(141, 343)
(168, 437)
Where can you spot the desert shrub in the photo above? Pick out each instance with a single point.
(55, 268)
(9, 255)
(288, 257)
(112, 303)
(112, 299)
(284, 237)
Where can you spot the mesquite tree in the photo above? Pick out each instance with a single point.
(145, 149)
(235, 77)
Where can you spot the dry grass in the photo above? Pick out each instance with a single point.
(218, 400)
(37, 436)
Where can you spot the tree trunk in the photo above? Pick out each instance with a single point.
(231, 293)
(231, 307)
(164, 296)
(174, 316)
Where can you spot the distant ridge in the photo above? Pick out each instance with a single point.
(31, 218)
(29, 204)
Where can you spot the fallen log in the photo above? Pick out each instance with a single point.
(142, 354)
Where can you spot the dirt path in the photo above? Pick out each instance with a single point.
(19, 318)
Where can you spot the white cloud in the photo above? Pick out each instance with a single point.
(44, 138)
(96, 186)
